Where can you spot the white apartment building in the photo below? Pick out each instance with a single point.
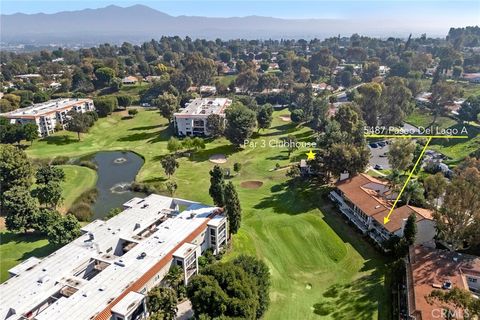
(192, 120)
(107, 272)
(48, 115)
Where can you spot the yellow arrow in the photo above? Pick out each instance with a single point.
(387, 218)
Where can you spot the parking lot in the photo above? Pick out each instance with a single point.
(378, 156)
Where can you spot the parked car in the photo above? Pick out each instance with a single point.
(382, 144)
(378, 167)
(373, 145)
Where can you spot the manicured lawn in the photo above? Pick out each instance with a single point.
(453, 148)
(459, 149)
(77, 180)
(423, 118)
(226, 80)
(14, 248)
(320, 266)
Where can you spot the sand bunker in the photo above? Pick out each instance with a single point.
(218, 158)
(285, 118)
(253, 184)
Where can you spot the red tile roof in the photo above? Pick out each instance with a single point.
(360, 190)
(430, 268)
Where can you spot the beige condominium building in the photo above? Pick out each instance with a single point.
(192, 120)
(49, 115)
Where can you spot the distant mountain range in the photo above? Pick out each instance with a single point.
(139, 23)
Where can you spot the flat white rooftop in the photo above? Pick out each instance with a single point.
(205, 106)
(148, 242)
(44, 108)
(124, 305)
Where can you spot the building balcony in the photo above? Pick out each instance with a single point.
(348, 212)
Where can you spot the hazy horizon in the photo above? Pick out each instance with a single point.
(72, 21)
(436, 14)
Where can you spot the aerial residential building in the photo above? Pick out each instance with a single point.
(366, 201)
(471, 77)
(192, 120)
(107, 272)
(49, 115)
(208, 90)
(432, 269)
(129, 80)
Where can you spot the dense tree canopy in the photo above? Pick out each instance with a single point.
(240, 123)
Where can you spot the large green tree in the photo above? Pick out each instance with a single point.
(240, 123)
(459, 298)
(400, 154)
(232, 208)
(264, 116)
(199, 69)
(162, 303)
(30, 132)
(168, 104)
(49, 173)
(370, 101)
(237, 289)
(435, 186)
(15, 169)
(63, 230)
(20, 209)
(410, 230)
(170, 165)
(105, 105)
(79, 123)
(215, 125)
(470, 109)
(398, 102)
(217, 186)
(104, 75)
(49, 194)
(258, 270)
(458, 219)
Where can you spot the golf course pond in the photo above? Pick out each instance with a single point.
(116, 171)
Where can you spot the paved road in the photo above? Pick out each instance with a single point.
(184, 311)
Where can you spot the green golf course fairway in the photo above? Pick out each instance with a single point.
(77, 180)
(320, 267)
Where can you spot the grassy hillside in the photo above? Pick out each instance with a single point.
(77, 180)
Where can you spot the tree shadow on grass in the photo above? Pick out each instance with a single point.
(151, 137)
(40, 251)
(290, 198)
(353, 300)
(281, 129)
(155, 180)
(163, 134)
(204, 155)
(7, 237)
(147, 127)
(59, 140)
(302, 197)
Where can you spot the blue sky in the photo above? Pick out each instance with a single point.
(454, 12)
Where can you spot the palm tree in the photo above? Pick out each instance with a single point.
(412, 189)
(174, 277)
(394, 180)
